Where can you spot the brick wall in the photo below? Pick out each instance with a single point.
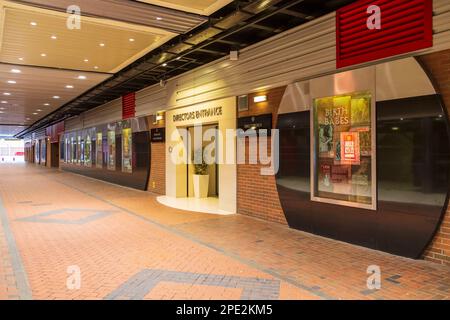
(157, 181)
(257, 195)
(438, 67)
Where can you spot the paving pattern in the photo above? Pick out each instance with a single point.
(64, 236)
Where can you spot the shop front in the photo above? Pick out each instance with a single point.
(198, 177)
(116, 152)
(364, 157)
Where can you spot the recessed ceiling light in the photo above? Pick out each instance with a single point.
(38, 110)
(15, 71)
(46, 104)
(34, 113)
(27, 119)
(69, 86)
(2, 108)
(21, 59)
(178, 58)
(11, 82)
(164, 65)
(43, 54)
(102, 44)
(34, 24)
(159, 18)
(81, 77)
(95, 67)
(54, 37)
(86, 60)
(131, 40)
(56, 97)
(6, 93)
(1, 112)
(4, 102)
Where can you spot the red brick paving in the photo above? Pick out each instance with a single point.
(139, 234)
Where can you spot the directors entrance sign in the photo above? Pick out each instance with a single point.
(369, 30)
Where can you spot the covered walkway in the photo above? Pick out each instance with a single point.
(64, 236)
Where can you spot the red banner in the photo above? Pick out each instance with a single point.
(369, 30)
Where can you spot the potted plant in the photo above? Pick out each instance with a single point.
(201, 176)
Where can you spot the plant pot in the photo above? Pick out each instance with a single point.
(201, 186)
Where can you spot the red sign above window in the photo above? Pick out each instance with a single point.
(371, 30)
(128, 106)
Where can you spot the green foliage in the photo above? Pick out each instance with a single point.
(200, 166)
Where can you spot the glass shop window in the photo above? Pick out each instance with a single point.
(127, 155)
(87, 151)
(343, 149)
(99, 150)
(111, 150)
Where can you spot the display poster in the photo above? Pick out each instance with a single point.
(87, 152)
(99, 150)
(343, 149)
(79, 153)
(111, 150)
(127, 156)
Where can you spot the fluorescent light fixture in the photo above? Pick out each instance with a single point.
(4, 102)
(54, 37)
(258, 99)
(43, 54)
(21, 59)
(15, 71)
(102, 44)
(56, 97)
(11, 82)
(81, 77)
(164, 65)
(69, 86)
(38, 110)
(159, 18)
(6, 93)
(34, 113)
(34, 24)
(86, 60)
(46, 104)
(131, 39)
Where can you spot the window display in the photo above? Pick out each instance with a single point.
(343, 163)
(74, 150)
(99, 149)
(87, 152)
(111, 150)
(127, 164)
(79, 154)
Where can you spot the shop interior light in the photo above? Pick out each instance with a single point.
(159, 117)
(258, 99)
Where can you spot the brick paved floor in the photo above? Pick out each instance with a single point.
(128, 246)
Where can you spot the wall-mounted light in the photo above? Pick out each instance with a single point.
(159, 116)
(261, 98)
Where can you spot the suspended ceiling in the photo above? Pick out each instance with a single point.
(203, 7)
(235, 26)
(44, 64)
